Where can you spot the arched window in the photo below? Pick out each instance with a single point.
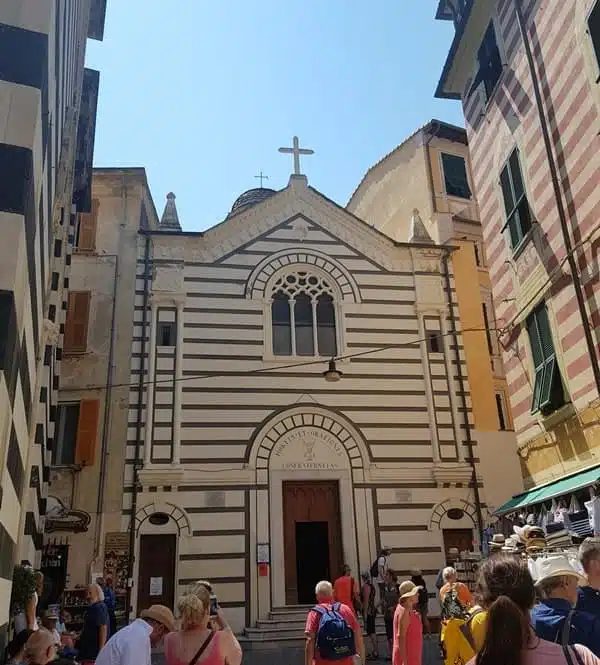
(303, 316)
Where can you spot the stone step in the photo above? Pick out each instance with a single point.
(271, 644)
(286, 622)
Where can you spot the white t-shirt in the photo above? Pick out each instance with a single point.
(128, 646)
(382, 562)
(21, 618)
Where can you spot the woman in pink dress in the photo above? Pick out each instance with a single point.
(408, 629)
(196, 643)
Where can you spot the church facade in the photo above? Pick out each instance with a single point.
(254, 462)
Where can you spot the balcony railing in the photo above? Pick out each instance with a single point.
(453, 10)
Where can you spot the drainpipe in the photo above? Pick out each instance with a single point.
(587, 328)
(461, 387)
(108, 389)
(106, 418)
(138, 426)
(430, 138)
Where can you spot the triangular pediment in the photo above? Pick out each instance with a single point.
(303, 215)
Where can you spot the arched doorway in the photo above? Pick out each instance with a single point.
(158, 527)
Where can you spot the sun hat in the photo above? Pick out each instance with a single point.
(409, 589)
(498, 540)
(557, 565)
(161, 614)
(49, 615)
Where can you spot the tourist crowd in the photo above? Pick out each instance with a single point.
(540, 611)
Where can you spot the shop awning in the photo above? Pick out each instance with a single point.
(554, 488)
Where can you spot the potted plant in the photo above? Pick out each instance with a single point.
(23, 588)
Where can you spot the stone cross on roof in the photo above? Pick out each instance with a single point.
(297, 151)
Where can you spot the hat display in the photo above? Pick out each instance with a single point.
(161, 614)
(409, 589)
(512, 544)
(557, 565)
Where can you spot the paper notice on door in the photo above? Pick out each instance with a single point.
(156, 586)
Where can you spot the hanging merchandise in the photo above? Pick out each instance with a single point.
(561, 514)
(580, 523)
(593, 510)
(574, 505)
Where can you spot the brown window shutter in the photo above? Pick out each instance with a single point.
(76, 326)
(88, 221)
(87, 432)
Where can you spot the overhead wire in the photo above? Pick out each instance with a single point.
(377, 349)
(277, 368)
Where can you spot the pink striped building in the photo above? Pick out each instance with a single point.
(528, 75)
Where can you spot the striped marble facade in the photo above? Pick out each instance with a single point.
(39, 115)
(222, 419)
(566, 65)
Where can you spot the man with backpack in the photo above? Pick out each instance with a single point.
(332, 631)
(379, 570)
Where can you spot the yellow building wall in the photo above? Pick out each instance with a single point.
(479, 367)
(570, 445)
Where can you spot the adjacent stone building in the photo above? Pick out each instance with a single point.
(424, 188)
(47, 120)
(527, 75)
(86, 479)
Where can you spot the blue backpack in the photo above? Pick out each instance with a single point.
(335, 638)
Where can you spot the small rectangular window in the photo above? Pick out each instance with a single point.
(434, 342)
(455, 176)
(65, 441)
(85, 234)
(594, 30)
(500, 407)
(76, 325)
(165, 334)
(548, 393)
(486, 323)
(490, 61)
(516, 206)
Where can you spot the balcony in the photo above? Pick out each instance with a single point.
(453, 10)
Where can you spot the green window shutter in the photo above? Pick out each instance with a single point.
(507, 193)
(548, 379)
(548, 392)
(543, 324)
(537, 354)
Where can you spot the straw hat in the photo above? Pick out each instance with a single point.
(557, 565)
(409, 589)
(498, 540)
(528, 531)
(161, 614)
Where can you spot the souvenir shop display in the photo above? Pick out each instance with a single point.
(467, 567)
(74, 604)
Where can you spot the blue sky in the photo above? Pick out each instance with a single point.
(203, 93)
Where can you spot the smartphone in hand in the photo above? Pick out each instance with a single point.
(214, 606)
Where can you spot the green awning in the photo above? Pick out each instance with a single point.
(554, 488)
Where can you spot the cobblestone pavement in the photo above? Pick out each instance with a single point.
(287, 656)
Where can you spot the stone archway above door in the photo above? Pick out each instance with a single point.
(177, 514)
(308, 437)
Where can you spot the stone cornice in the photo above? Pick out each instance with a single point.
(160, 475)
(452, 472)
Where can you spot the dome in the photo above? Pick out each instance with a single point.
(251, 197)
